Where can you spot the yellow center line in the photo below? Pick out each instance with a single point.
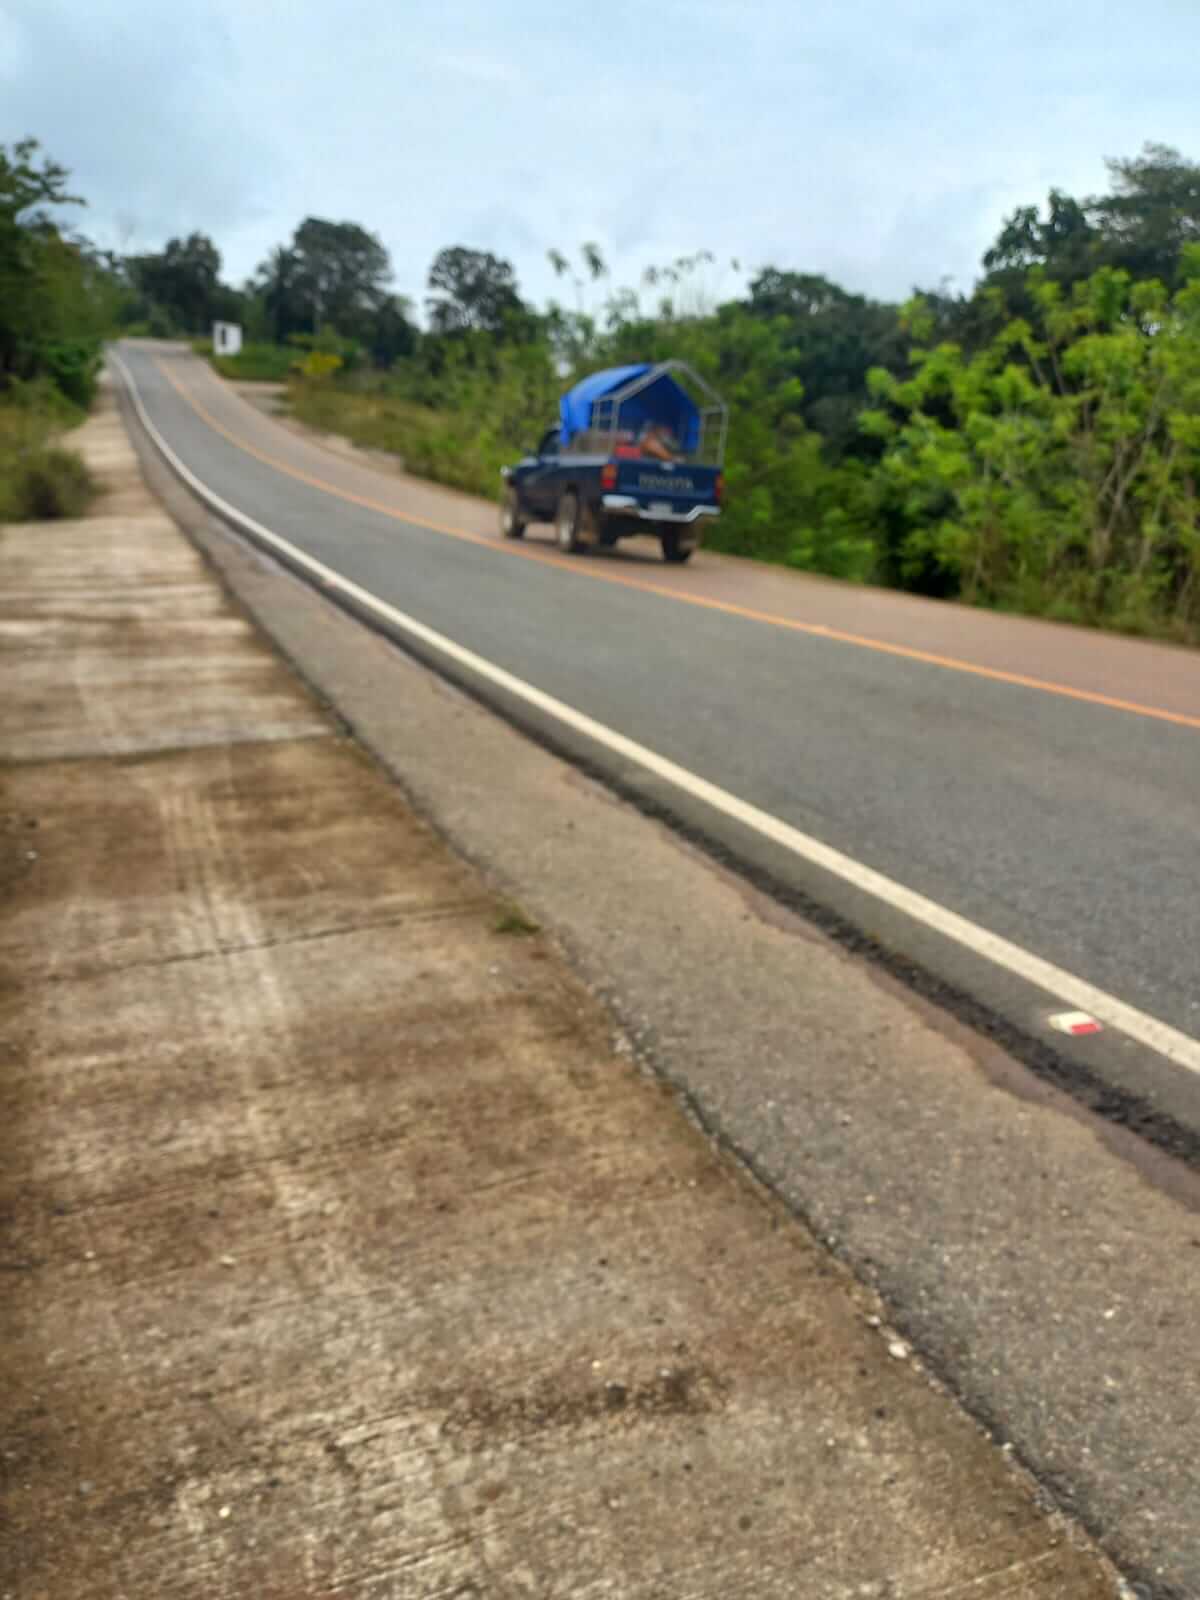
(814, 629)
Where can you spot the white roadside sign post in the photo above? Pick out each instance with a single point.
(227, 338)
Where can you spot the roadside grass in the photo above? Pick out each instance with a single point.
(40, 479)
(430, 444)
(255, 363)
(513, 922)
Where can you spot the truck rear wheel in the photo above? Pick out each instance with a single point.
(673, 547)
(567, 523)
(512, 519)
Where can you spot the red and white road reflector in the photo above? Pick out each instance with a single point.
(1075, 1023)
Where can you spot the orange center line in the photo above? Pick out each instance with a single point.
(814, 629)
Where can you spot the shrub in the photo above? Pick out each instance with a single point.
(74, 365)
(38, 478)
(30, 410)
(52, 483)
(254, 363)
(319, 364)
(161, 325)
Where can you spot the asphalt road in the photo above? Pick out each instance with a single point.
(1043, 1262)
(1050, 816)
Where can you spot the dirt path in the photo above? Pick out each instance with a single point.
(343, 1253)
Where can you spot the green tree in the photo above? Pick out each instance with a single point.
(593, 260)
(472, 290)
(833, 339)
(339, 275)
(29, 242)
(1141, 227)
(331, 275)
(593, 264)
(184, 279)
(1152, 215)
(28, 183)
(1063, 242)
(56, 294)
(1055, 470)
(276, 285)
(393, 334)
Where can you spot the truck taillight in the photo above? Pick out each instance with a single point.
(608, 475)
(719, 487)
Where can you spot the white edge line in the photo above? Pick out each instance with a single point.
(1177, 1047)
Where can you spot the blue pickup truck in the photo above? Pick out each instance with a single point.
(637, 449)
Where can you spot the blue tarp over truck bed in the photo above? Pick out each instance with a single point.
(662, 401)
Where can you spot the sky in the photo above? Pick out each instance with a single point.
(880, 142)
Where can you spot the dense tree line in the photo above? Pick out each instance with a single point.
(56, 305)
(1033, 443)
(57, 296)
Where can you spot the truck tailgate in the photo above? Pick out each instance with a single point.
(676, 487)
